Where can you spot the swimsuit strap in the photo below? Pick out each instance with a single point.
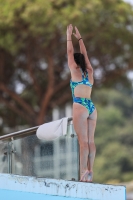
(86, 74)
(82, 73)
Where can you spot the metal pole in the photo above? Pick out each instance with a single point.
(9, 157)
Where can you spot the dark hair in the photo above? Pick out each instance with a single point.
(80, 60)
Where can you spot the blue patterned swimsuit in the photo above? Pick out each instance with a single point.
(87, 103)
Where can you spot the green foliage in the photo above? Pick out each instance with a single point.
(32, 31)
(113, 137)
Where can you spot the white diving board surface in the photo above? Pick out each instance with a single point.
(26, 187)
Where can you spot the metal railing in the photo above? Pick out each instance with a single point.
(25, 132)
(23, 153)
(19, 133)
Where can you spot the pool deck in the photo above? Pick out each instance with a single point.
(25, 187)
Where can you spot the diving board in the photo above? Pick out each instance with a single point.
(25, 187)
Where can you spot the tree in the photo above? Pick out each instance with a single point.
(113, 137)
(33, 52)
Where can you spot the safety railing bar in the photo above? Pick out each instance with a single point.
(22, 132)
(18, 133)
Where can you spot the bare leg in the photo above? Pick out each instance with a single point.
(92, 149)
(80, 115)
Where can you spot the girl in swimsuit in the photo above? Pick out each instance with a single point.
(84, 111)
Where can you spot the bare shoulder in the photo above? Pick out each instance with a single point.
(90, 75)
(88, 64)
(71, 62)
(89, 70)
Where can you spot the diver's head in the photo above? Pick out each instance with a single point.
(80, 61)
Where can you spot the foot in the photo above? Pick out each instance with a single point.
(90, 176)
(84, 176)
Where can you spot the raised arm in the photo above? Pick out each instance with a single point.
(83, 49)
(70, 49)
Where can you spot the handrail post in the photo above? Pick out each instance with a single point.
(9, 158)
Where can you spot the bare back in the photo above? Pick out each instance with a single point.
(83, 91)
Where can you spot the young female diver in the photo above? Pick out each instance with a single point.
(84, 111)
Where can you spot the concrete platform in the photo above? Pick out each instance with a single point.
(24, 187)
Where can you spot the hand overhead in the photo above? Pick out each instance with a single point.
(69, 29)
(77, 34)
